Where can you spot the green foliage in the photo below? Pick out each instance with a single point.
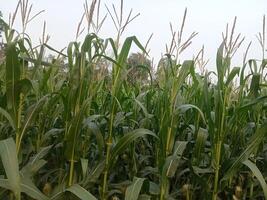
(89, 125)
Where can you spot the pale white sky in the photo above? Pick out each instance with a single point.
(208, 17)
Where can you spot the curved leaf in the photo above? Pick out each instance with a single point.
(186, 107)
(80, 192)
(133, 190)
(8, 117)
(33, 110)
(77, 190)
(233, 73)
(10, 162)
(31, 190)
(258, 174)
(126, 140)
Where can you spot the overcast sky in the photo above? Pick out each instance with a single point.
(208, 17)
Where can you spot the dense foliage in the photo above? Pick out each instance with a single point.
(93, 125)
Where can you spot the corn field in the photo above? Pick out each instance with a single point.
(87, 124)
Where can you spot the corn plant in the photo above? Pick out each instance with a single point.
(83, 124)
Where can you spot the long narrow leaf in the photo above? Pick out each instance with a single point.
(132, 191)
(10, 162)
(255, 170)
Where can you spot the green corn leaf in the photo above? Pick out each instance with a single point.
(10, 162)
(183, 73)
(252, 103)
(253, 144)
(201, 139)
(31, 190)
(172, 161)
(98, 135)
(94, 175)
(170, 166)
(219, 63)
(233, 73)
(12, 77)
(30, 116)
(126, 140)
(207, 104)
(112, 43)
(77, 190)
(74, 132)
(35, 163)
(27, 187)
(154, 188)
(25, 46)
(80, 192)
(4, 183)
(255, 170)
(84, 164)
(133, 190)
(143, 108)
(53, 49)
(87, 45)
(41, 154)
(126, 49)
(70, 53)
(255, 85)
(186, 107)
(8, 117)
(253, 65)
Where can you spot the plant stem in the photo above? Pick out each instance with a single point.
(217, 169)
(162, 190)
(109, 144)
(251, 191)
(71, 172)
